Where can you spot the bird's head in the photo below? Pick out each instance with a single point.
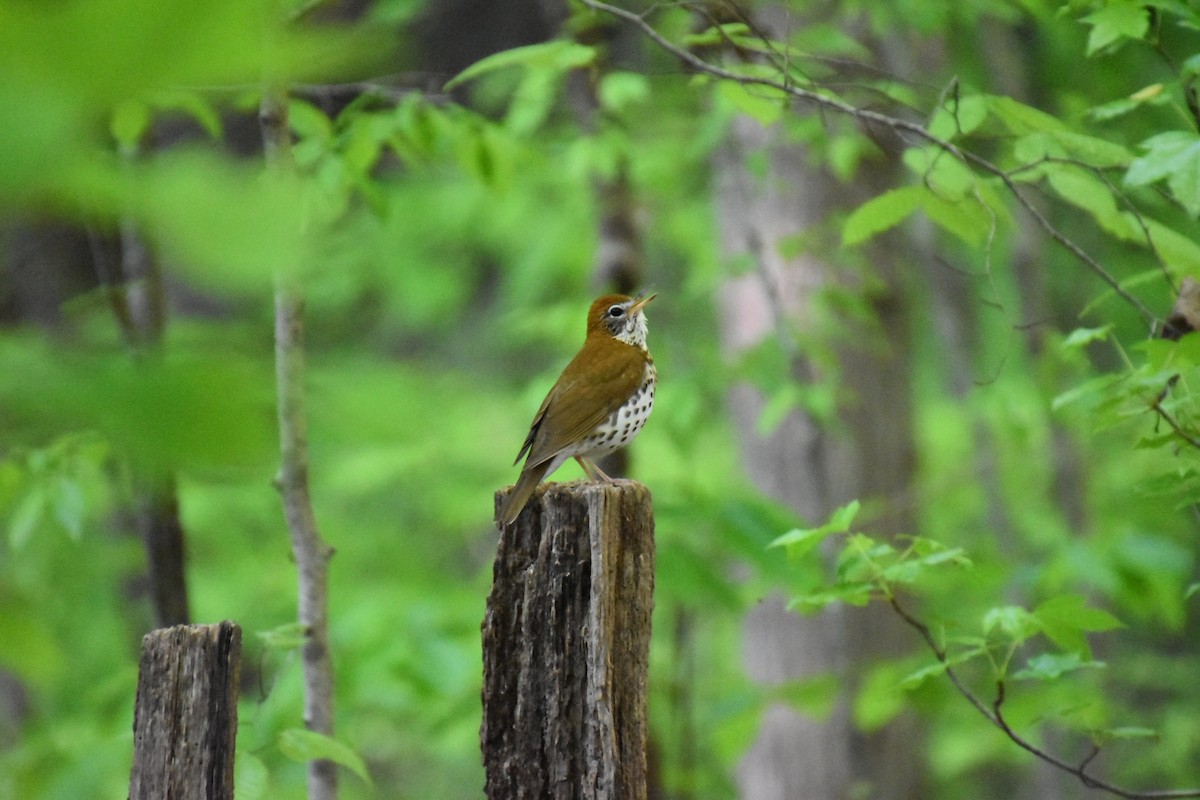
(620, 317)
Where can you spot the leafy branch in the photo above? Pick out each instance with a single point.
(1157, 406)
(869, 569)
(783, 84)
(994, 714)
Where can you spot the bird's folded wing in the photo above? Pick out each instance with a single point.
(583, 397)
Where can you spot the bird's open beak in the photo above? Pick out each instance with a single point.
(640, 302)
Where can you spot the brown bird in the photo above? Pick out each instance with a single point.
(599, 403)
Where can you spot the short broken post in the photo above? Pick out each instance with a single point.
(566, 639)
(185, 717)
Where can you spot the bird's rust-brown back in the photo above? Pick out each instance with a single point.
(604, 374)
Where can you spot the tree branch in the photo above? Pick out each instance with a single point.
(995, 715)
(1157, 406)
(896, 124)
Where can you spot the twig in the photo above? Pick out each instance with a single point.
(902, 126)
(1157, 407)
(1099, 174)
(995, 715)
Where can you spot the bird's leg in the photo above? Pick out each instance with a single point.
(593, 472)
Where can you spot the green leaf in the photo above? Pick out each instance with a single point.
(250, 776)
(532, 101)
(480, 157)
(1090, 393)
(841, 519)
(881, 213)
(165, 44)
(1114, 109)
(1125, 732)
(1116, 21)
(1093, 196)
(761, 103)
(944, 555)
(965, 218)
(558, 55)
(863, 560)
(804, 539)
(285, 637)
(1164, 153)
(1096, 152)
(27, 516)
(941, 173)
(1032, 150)
(1092, 151)
(309, 122)
(1175, 156)
(717, 35)
(621, 90)
(914, 679)
(1071, 609)
(364, 141)
(300, 744)
(130, 121)
(34, 653)
(799, 541)
(1064, 620)
(69, 506)
(132, 117)
(1016, 623)
(959, 118)
(1160, 353)
(880, 697)
(192, 104)
(781, 403)
(1180, 253)
(1048, 666)
(814, 696)
(845, 153)
(854, 594)
(1081, 337)
(181, 198)
(1020, 118)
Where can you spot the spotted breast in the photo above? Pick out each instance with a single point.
(624, 422)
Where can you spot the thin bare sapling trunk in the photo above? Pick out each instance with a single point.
(312, 554)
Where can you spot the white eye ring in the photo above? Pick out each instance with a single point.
(615, 311)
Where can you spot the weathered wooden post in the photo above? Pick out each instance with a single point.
(185, 717)
(566, 640)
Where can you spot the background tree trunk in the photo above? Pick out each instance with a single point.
(813, 469)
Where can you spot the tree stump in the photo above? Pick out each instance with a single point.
(185, 718)
(566, 640)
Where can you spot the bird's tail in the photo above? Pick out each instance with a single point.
(520, 494)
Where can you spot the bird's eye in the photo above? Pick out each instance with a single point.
(616, 311)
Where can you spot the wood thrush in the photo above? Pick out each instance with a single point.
(599, 403)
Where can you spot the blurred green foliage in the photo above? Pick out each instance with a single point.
(446, 252)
